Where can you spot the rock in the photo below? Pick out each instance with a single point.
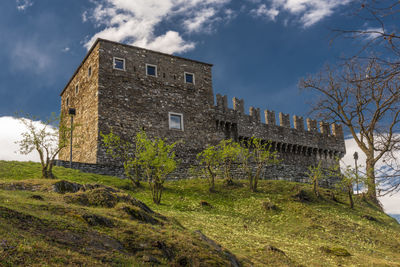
(232, 258)
(150, 259)
(204, 203)
(274, 249)
(336, 251)
(268, 205)
(302, 196)
(138, 214)
(63, 187)
(37, 197)
(182, 261)
(168, 253)
(101, 196)
(370, 218)
(97, 220)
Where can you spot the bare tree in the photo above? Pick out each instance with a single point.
(379, 35)
(46, 138)
(365, 97)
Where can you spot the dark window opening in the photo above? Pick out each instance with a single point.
(175, 121)
(189, 78)
(119, 64)
(151, 70)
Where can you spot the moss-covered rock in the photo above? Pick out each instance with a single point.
(337, 251)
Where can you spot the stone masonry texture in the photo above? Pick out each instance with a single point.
(129, 100)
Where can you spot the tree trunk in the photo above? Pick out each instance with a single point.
(212, 179)
(45, 174)
(50, 170)
(371, 193)
(256, 178)
(350, 192)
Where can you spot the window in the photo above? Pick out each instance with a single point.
(67, 101)
(90, 71)
(175, 121)
(77, 89)
(151, 70)
(189, 77)
(119, 63)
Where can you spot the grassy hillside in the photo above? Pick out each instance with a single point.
(276, 226)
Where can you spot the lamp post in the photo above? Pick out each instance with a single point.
(355, 155)
(72, 113)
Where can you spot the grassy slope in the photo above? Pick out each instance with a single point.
(237, 220)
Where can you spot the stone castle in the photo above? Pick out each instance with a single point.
(127, 89)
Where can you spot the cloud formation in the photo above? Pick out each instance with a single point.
(24, 4)
(306, 12)
(390, 202)
(11, 130)
(30, 56)
(138, 22)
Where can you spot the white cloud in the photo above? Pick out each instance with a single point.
(371, 33)
(26, 55)
(307, 12)
(11, 130)
(24, 4)
(66, 49)
(389, 202)
(136, 22)
(263, 11)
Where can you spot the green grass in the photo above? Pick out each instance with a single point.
(320, 232)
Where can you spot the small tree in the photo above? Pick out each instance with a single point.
(256, 153)
(157, 159)
(210, 162)
(316, 173)
(125, 151)
(46, 139)
(229, 152)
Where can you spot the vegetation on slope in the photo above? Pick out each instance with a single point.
(283, 224)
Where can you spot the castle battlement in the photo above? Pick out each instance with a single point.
(326, 140)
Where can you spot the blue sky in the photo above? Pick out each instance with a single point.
(259, 48)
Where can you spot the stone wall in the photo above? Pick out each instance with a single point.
(129, 100)
(85, 101)
(295, 146)
(103, 169)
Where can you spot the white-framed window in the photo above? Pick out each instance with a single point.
(151, 70)
(118, 63)
(90, 71)
(175, 121)
(77, 88)
(189, 77)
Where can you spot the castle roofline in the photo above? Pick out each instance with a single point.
(126, 45)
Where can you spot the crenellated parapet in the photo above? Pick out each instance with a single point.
(298, 123)
(320, 139)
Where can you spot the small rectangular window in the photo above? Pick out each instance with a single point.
(176, 121)
(67, 101)
(189, 77)
(151, 70)
(119, 63)
(77, 89)
(90, 71)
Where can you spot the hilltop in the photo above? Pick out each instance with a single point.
(107, 222)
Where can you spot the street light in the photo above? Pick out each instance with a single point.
(72, 113)
(355, 155)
